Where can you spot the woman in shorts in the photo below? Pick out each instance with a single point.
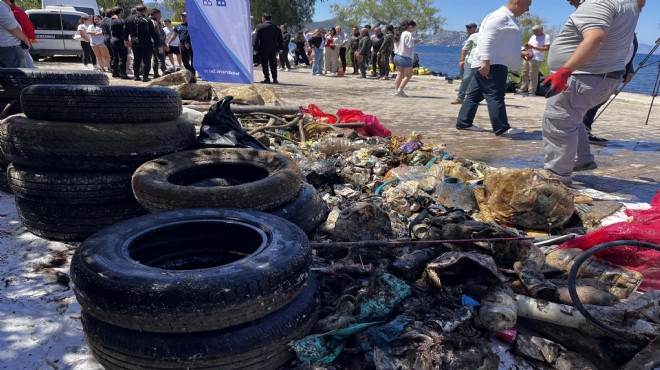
(404, 51)
(98, 46)
(174, 45)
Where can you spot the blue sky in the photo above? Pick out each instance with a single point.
(555, 12)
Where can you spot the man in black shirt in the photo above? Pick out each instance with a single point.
(105, 28)
(159, 57)
(119, 50)
(268, 42)
(142, 38)
(284, 55)
(185, 45)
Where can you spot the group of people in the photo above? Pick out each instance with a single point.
(588, 60)
(369, 50)
(143, 36)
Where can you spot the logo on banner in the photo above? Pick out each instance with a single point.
(217, 3)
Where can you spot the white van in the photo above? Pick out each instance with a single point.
(54, 29)
(86, 6)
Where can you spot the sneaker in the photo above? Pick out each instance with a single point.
(596, 139)
(286, 70)
(395, 93)
(401, 94)
(472, 128)
(457, 101)
(585, 166)
(86, 68)
(265, 81)
(513, 131)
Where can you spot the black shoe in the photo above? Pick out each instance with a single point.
(276, 81)
(265, 81)
(137, 79)
(125, 77)
(596, 139)
(585, 166)
(115, 75)
(146, 79)
(156, 76)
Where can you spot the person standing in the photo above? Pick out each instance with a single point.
(404, 51)
(316, 44)
(376, 42)
(284, 54)
(267, 43)
(538, 44)
(299, 52)
(88, 53)
(27, 27)
(364, 52)
(158, 56)
(353, 47)
(97, 41)
(465, 61)
(341, 43)
(172, 48)
(385, 53)
(331, 52)
(185, 46)
(12, 39)
(498, 49)
(142, 38)
(119, 49)
(107, 34)
(587, 62)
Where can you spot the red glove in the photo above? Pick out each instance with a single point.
(557, 81)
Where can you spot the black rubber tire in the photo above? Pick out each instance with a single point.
(260, 344)
(178, 272)
(4, 182)
(69, 187)
(212, 177)
(88, 146)
(14, 80)
(73, 222)
(101, 104)
(307, 210)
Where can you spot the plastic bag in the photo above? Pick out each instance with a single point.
(220, 129)
(372, 127)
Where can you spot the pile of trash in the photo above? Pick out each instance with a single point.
(427, 261)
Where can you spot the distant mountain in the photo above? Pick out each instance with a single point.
(445, 38)
(166, 13)
(646, 48)
(323, 24)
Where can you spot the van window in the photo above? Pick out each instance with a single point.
(70, 22)
(48, 22)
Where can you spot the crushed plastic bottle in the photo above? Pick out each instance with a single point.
(333, 145)
(498, 310)
(622, 281)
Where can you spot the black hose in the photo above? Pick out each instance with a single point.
(573, 274)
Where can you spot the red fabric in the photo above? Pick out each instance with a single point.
(23, 19)
(644, 227)
(372, 127)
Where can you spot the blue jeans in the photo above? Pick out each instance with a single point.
(317, 66)
(466, 78)
(492, 89)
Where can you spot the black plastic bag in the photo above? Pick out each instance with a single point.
(221, 129)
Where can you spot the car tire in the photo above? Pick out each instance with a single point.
(69, 187)
(101, 104)
(190, 270)
(307, 209)
(72, 222)
(260, 344)
(89, 146)
(14, 80)
(213, 177)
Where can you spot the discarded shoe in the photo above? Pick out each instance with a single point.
(585, 166)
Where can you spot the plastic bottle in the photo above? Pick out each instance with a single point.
(498, 310)
(622, 281)
(332, 145)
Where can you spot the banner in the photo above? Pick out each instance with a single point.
(221, 36)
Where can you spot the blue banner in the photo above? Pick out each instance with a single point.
(221, 36)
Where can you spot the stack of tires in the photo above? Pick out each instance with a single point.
(74, 149)
(14, 80)
(196, 288)
(230, 178)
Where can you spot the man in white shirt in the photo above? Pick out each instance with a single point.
(11, 36)
(498, 49)
(538, 44)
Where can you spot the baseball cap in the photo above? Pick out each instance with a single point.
(471, 25)
(184, 14)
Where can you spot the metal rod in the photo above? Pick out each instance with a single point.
(385, 243)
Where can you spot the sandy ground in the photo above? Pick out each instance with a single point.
(39, 316)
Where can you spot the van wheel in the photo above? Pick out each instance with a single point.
(191, 270)
(260, 344)
(214, 177)
(14, 80)
(69, 187)
(90, 146)
(101, 104)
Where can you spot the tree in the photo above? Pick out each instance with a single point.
(29, 4)
(389, 12)
(177, 6)
(293, 13)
